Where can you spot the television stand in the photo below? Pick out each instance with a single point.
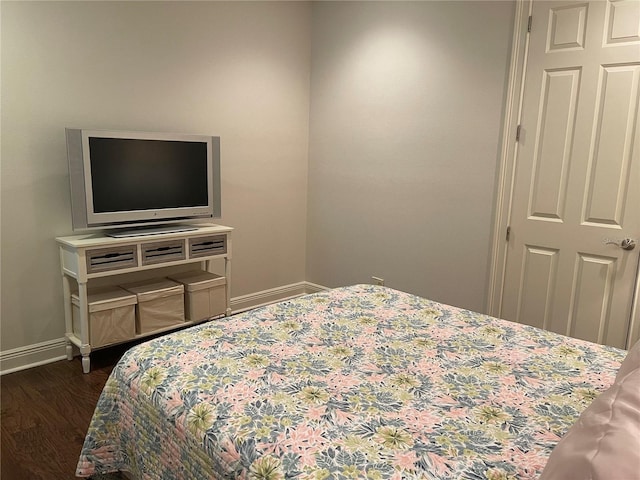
(97, 259)
(155, 230)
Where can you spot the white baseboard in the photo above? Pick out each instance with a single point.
(42, 353)
(34, 355)
(272, 295)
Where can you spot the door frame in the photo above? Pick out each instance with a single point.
(508, 153)
(506, 169)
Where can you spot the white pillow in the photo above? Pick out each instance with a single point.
(604, 444)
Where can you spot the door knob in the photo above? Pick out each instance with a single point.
(625, 244)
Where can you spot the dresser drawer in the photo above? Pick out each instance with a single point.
(111, 258)
(206, 246)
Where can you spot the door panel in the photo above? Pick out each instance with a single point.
(610, 159)
(591, 298)
(537, 287)
(623, 22)
(552, 148)
(577, 174)
(568, 27)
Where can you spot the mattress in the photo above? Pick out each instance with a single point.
(356, 382)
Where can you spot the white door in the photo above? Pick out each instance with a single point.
(576, 187)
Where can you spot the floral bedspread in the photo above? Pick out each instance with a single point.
(356, 382)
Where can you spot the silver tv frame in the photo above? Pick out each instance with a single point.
(82, 212)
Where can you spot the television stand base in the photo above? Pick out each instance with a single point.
(156, 230)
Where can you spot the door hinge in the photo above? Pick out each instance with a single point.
(508, 233)
(518, 131)
(529, 24)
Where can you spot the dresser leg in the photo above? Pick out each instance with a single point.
(86, 364)
(85, 350)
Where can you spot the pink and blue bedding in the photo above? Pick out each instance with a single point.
(355, 382)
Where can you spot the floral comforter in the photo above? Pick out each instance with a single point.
(356, 382)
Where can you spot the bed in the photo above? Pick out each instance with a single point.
(355, 382)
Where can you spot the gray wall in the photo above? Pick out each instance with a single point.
(390, 135)
(406, 106)
(235, 69)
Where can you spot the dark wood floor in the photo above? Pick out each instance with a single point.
(45, 414)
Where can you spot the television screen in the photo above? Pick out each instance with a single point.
(131, 174)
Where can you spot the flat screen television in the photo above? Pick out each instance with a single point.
(143, 182)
